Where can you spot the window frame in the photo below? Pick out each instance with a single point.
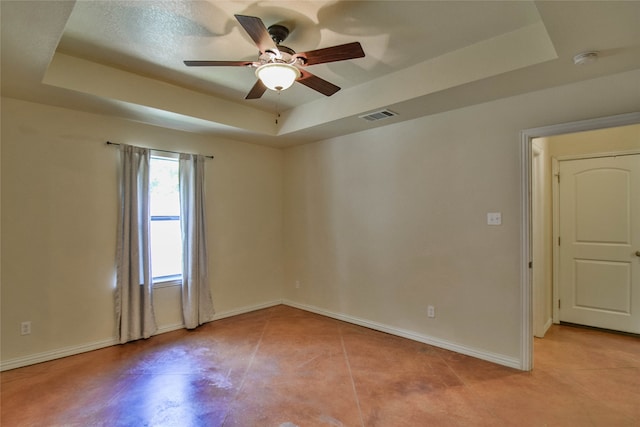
(174, 279)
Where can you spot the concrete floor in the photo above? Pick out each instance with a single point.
(284, 367)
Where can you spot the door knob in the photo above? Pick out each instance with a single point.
(637, 253)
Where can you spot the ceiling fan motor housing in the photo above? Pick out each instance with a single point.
(284, 55)
(278, 33)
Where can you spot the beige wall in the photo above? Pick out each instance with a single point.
(59, 207)
(382, 223)
(375, 225)
(623, 138)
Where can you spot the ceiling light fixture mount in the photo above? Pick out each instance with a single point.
(585, 58)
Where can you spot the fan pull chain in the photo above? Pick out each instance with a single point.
(278, 107)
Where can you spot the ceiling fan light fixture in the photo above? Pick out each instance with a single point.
(277, 76)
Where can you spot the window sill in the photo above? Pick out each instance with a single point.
(167, 283)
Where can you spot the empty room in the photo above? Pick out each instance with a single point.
(320, 213)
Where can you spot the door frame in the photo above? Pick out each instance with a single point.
(537, 184)
(526, 137)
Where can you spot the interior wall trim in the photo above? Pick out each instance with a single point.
(500, 359)
(425, 339)
(47, 356)
(246, 309)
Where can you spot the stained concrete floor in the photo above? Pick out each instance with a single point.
(285, 367)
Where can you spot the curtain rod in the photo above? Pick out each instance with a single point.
(162, 151)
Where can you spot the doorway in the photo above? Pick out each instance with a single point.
(598, 269)
(532, 308)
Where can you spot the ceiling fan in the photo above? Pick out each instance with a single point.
(278, 66)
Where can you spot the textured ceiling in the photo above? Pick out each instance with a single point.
(154, 38)
(125, 58)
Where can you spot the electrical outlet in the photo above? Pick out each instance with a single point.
(494, 218)
(431, 311)
(297, 284)
(25, 328)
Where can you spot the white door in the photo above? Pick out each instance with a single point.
(599, 270)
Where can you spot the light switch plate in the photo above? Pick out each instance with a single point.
(494, 218)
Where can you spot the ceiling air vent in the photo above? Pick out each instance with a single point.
(378, 115)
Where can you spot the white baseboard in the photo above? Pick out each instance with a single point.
(70, 351)
(46, 356)
(547, 325)
(436, 342)
(169, 328)
(246, 309)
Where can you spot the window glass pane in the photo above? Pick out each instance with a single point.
(166, 242)
(166, 248)
(165, 192)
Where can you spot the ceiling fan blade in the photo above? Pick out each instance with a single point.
(316, 83)
(332, 54)
(258, 32)
(218, 63)
(257, 90)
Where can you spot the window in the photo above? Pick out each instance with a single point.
(166, 241)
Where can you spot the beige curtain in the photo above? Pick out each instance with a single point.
(197, 306)
(134, 303)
